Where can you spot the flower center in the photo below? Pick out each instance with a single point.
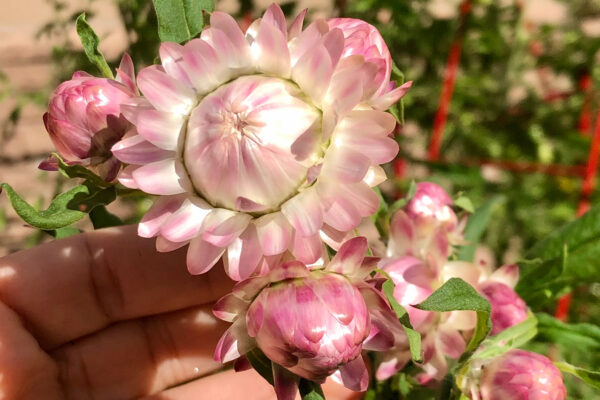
(250, 143)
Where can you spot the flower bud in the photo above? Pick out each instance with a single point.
(310, 326)
(508, 308)
(363, 39)
(522, 375)
(312, 322)
(84, 121)
(431, 202)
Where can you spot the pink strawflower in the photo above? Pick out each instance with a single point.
(522, 375)
(84, 119)
(508, 308)
(258, 144)
(426, 227)
(311, 322)
(364, 40)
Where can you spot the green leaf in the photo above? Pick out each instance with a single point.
(181, 20)
(310, 390)
(102, 218)
(397, 110)
(510, 338)
(90, 43)
(554, 272)
(79, 171)
(414, 338)
(583, 336)
(465, 203)
(261, 364)
(56, 216)
(592, 378)
(67, 231)
(476, 226)
(457, 294)
(87, 201)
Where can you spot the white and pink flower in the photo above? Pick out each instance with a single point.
(521, 375)
(313, 322)
(258, 144)
(84, 119)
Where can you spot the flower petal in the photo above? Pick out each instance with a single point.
(355, 375)
(296, 26)
(202, 256)
(274, 233)
(163, 129)
(171, 56)
(345, 165)
(243, 255)
(274, 16)
(229, 307)
(307, 39)
(158, 214)
(303, 211)
(229, 39)
(387, 100)
(164, 246)
(270, 50)
(349, 257)
(203, 66)
(125, 177)
(507, 274)
(234, 342)
(162, 177)
(222, 226)
(164, 92)
(307, 249)
(186, 222)
(139, 151)
(313, 72)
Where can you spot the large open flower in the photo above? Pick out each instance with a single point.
(258, 143)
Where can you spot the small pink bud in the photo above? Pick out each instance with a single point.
(508, 308)
(311, 326)
(84, 121)
(432, 202)
(365, 40)
(522, 375)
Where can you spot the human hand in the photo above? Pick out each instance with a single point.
(102, 315)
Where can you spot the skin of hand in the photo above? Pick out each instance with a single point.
(103, 316)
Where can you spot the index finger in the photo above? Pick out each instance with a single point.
(75, 286)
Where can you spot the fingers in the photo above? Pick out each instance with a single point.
(135, 358)
(26, 372)
(73, 287)
(248, 385)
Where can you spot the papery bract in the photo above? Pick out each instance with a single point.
(84, 119)
(508, 309)
(259, 144)
(312, 322)
(522, 375)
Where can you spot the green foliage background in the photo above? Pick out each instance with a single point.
(496, 113)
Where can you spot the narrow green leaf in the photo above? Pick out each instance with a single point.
(90, 43)
(79, 171)
(476, 226)
(582, 336)
(510, 338)
(400, 203)
(261, 364)
(457, 294)
(414, 337)
(310, 390)
(56, 216)
(181, 20)
(592, 378)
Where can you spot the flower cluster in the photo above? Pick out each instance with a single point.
(263, 148)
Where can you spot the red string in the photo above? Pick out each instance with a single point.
(441, 115)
